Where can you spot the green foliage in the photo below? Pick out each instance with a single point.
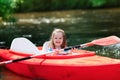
(58, 5)
(112, 3)
(26, 6)
(48, 5)
(80, 4)
(7, 8)
(69, 4)
(97, 3)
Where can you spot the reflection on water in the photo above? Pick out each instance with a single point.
(80, 27)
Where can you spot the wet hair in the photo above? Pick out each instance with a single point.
(56, 30)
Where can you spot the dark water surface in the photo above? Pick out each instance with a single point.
(81, 26)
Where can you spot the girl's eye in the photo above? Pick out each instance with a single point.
(58, 38)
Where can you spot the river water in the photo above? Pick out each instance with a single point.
(80, 26)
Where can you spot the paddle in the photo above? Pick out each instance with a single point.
(101, 42)
(25, 58)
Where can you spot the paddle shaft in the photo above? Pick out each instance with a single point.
(29, 57)
(24, 58)
(110, 40)
(15, 60)
(79, 46)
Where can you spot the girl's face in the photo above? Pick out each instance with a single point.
(58, 39)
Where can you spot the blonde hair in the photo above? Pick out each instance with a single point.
(52, 36)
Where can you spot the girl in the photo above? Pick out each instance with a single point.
(57, 42)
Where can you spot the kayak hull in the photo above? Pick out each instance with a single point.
(75, 67)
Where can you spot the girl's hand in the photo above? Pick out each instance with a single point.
(59, 52)
(56, 52)
(73, 51)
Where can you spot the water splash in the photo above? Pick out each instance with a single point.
(110, 51)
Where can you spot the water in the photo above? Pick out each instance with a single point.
(81, 26)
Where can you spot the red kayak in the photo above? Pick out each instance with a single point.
(81, 65)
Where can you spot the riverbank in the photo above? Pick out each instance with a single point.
(63, 13)
(92, 15)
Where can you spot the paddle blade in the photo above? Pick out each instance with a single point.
(24, 45)
(106, 41)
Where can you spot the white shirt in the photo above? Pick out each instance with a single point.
(46, 46)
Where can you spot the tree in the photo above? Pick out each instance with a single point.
(7, 8)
